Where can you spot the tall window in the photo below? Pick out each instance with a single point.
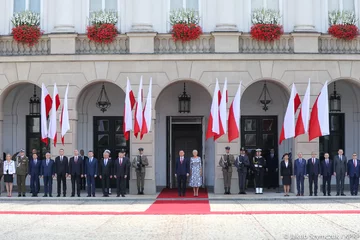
(188, 4)
(24, 5)
(268, 4)
(341, 5)
(105, 5)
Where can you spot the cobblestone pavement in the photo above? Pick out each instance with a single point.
(139, 225)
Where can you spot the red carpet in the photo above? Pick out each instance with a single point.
(173, 193)
(179, 207)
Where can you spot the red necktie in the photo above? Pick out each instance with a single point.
(355, 163)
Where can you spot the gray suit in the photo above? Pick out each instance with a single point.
(340, 166)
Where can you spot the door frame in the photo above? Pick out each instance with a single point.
(183, 120)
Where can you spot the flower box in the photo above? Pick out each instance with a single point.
(26, 28)
(266, 25)
(102, 28)
(185, 25)
(342, 25)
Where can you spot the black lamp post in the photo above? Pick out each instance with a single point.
(335, 101)
(34, 104)
(103, 101)
(184, 102)
(265, 98)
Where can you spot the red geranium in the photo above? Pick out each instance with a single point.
(185, 32)
(343, 31)
(104, 33)
(266, 32)
(27, 34)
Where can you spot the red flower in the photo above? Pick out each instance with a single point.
(186, 32)
(104, 33)
(344, 31)
(27, 34)
(266, 32)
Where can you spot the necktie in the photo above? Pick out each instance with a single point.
(76, 159)
(313, 161)
(327, 162)
(105, 162)
(120, 161)
(61, 158)
(354, 163)
(47, 162)
(181, 160)
(90, 160)
(340, 157)
(35, 161)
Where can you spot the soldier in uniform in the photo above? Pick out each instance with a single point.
(242, 163)
(139, 163)
(226, 162)
(259, 164)
(22, 167)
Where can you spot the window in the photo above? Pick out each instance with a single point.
(105, 5)
(341, 5)
(187, 4)
(268, 4)
(24, 5)
(33, 137)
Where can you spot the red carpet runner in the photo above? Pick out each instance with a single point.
(181, 206)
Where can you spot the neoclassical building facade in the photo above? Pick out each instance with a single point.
(145, 48)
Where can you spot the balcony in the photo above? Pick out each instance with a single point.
(328, 44)
(165, 44)
(85, 46)
(9, 47)
(284, 45)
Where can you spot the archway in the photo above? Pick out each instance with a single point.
(176, 131)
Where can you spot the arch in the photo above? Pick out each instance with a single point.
(280, 83)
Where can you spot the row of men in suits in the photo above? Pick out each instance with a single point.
(339, 167)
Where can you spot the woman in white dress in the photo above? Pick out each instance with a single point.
(9, 172)
(196, 173)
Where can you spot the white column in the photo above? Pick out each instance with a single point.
(141, 21)
(64, 21)
(225, 16)
(304, 18)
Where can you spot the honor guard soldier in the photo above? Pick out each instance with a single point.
(22, 168)
(242, 163)
(259, 164)
(226, 162)
(139, 163)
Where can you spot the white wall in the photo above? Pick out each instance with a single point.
(167, 105)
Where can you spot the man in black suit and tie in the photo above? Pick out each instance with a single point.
(353, 169)
(182, 171)
(105, 172)
(83, 180)
(121, 166)
(313, 172)
(300, 173)
(76, 170)
(61, 172)
(326, 172)
(91, 171)
(34, 172)
(340, 168)
(48, 173)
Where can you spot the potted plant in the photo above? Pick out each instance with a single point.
(26, 28)
(342, 25)
(102, 27)
(185, 25)
(266, 25)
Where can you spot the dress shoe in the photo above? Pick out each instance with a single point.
(315, 194)
(329, 194)
(78, 195)
(64, 195)
(24, 195)
(310, 194)
(19, 195)
(240, 193)
(337, 194)
(118, 195)
(50, 195)
(93, 195)
(45, 195)
(302, 194)
(298, 195)
(122, 195)
(58, 195)
(343, 194)
(88, 196)
(324, 194)
(72, 195)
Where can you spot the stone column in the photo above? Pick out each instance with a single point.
(141, 10)
(226, 16)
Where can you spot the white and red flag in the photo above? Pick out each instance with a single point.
(222, 111)
(138, 111)
(146, 123)
(213, 127)
(302, 123)
(234, 116)
(129, 105)
(55, 106)
(288, 128)
(64, 117)
(46, 103)
(319, 118)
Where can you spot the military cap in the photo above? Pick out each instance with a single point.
(22, 150)
(122, 150)
(258, 150)
(242, 149)
(141, 149)
(227, 148)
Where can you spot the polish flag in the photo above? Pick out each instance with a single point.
(288, 128)
(302, 123)
(319, 118)
(146, 124)
(64, 117)
(234, 116)
(46, 102)
(129, 105)
(138, 111)
(213, 122)
(52, 125)
(222, 112)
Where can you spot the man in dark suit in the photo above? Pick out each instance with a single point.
(121, 166)
(61, 172)
(83, 180)
(300, 173)
(105, 172)
(34, 172)
(76, 170)
(48, 173)
(313, 172)
(272, 169)
(326, 172)
(340, 167)
(353, 169)
(91, 171)
(182, 171)
(242, 163)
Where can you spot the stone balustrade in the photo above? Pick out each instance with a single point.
(9, 47)
(328, 44)
(248, 45)
(165, 44)
(85, 46)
